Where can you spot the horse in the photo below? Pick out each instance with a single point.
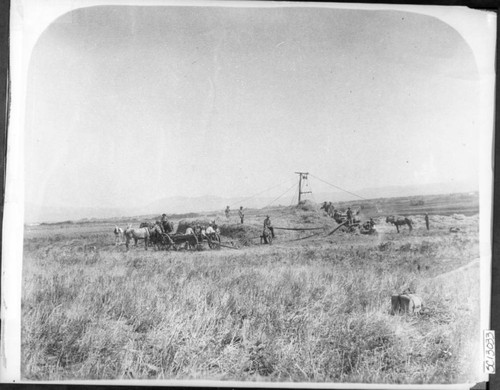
(118, 235)
(155, 235)
(399, 221)
(148, 225)
(136, 235)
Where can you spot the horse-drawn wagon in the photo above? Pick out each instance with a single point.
(195, 241)
(189, 239)
(188, 236)
(179, 241)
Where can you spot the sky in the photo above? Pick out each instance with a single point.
(127, 104)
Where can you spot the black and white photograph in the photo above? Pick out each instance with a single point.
(247, 193)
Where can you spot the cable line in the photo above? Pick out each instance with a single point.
(292, 201)
(339, 188)
(312, 193)
(261, 192)
(280, 195)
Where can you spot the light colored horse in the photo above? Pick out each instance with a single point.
(399, 221)
(118, 235)
(136, 235)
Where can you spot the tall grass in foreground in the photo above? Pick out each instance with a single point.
(304, 313)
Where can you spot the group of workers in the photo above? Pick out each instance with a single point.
(211, 229)
(199, 230)
(240, 213)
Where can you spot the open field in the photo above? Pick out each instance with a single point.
(315, 309)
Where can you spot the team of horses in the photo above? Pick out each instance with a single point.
(150, 233)
(163, 237)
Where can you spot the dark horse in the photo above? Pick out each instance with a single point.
(399, 221)
(155, 236)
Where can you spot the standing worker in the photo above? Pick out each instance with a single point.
(240, 213)
(227, 211)
(349, 215)
(164, 224)
(331, 209)
(268, 225)
(427, 221)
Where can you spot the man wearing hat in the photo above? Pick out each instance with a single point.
(268, 225)
(164, 223)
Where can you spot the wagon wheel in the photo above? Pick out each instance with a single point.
(194, 243)
(214, 241)
(165, 244)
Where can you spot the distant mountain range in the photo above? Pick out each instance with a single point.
(180, 204)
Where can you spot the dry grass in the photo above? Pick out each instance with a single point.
(298, 311)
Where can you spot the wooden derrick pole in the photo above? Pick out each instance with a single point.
(302, 175)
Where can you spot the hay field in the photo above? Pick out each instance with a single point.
(310, 310)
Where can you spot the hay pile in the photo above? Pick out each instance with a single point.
(307, 205)
(244, 234)
(191, 222)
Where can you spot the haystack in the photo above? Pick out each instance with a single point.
(307, 205)
(191, 222)
(244, 234)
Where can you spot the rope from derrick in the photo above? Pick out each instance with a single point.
(284, 228)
